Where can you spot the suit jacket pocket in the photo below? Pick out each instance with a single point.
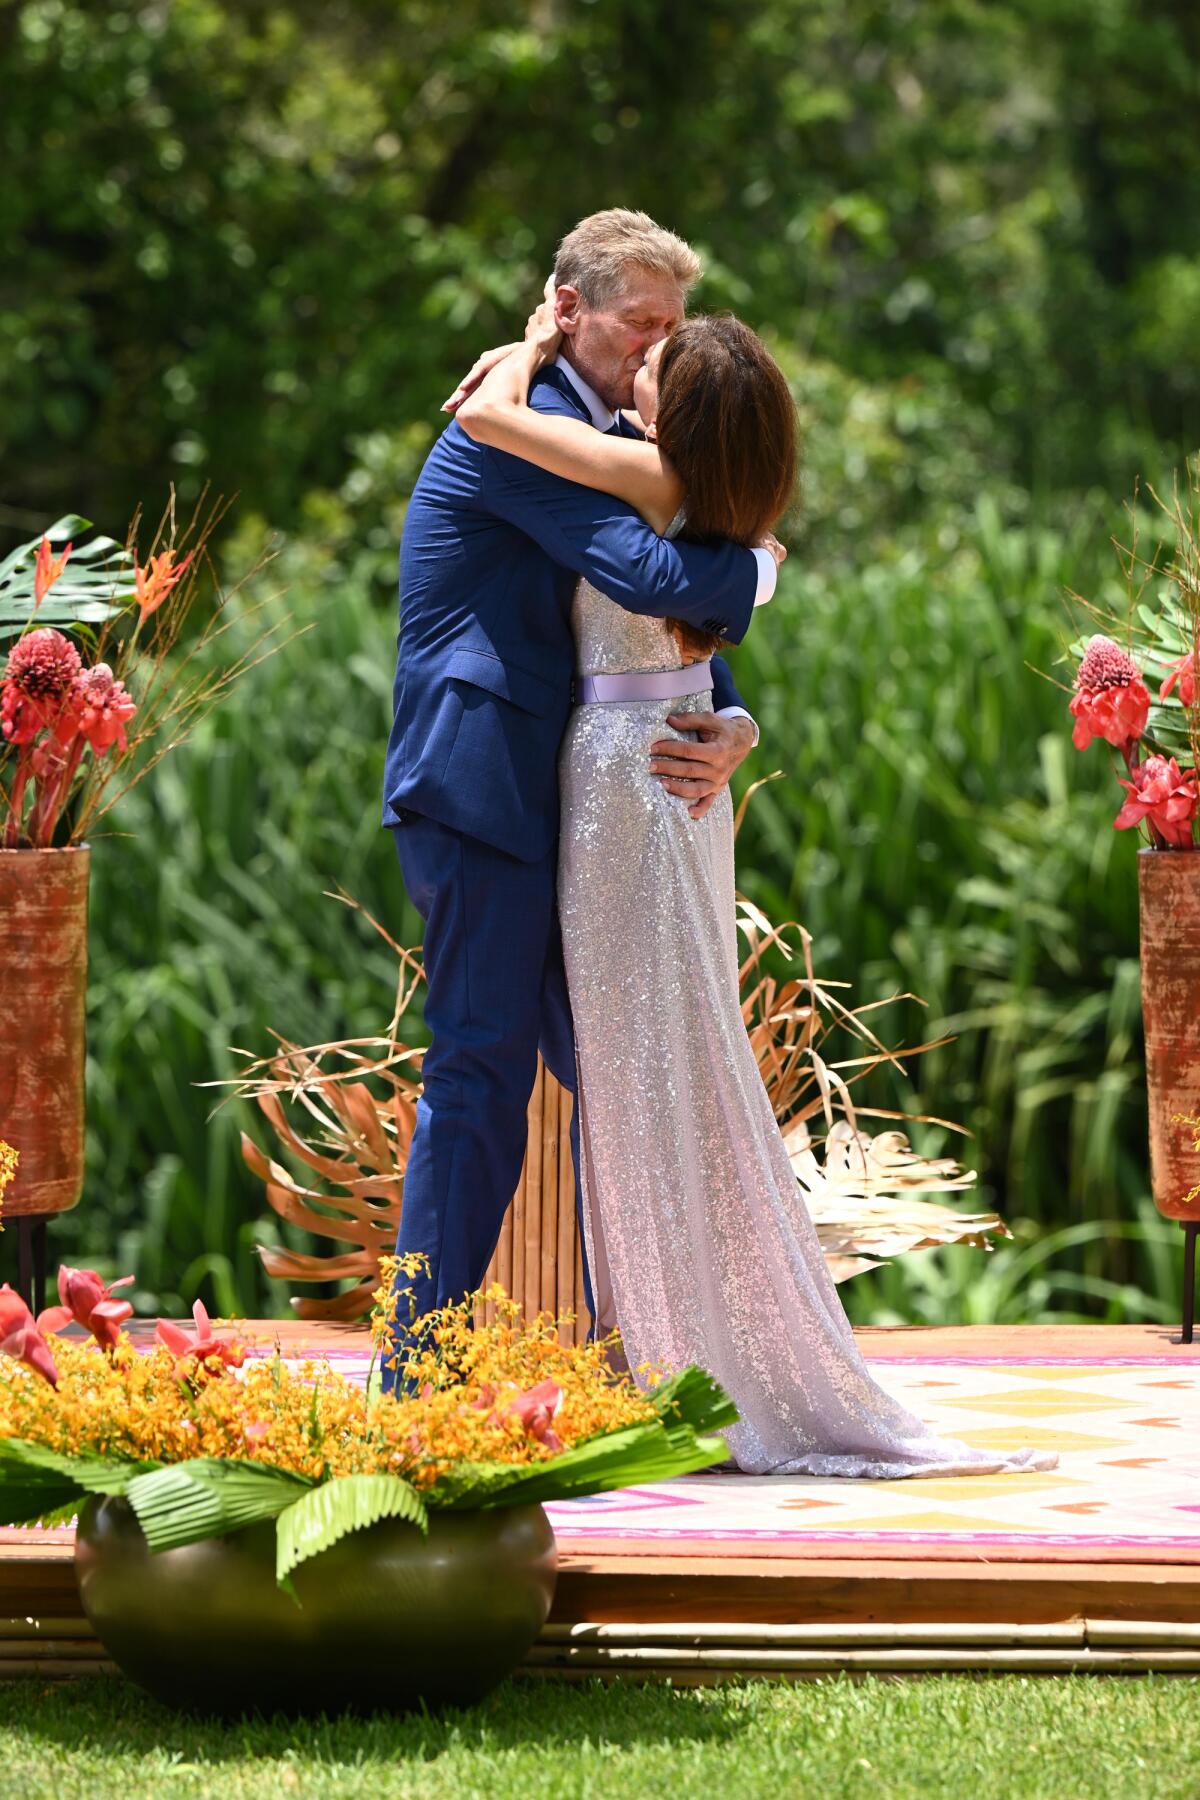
(532, 693)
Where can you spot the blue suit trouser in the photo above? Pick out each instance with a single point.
(496, 993)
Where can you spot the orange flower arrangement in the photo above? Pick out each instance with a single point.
(496, 1415)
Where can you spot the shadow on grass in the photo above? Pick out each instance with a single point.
(111, 1715)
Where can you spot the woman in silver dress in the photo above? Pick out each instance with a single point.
(698, 1240)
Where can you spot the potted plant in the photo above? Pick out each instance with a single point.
(1155, 729)
(90, 696)
(256, 1533)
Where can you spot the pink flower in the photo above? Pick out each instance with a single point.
(1161, 793)
(38, 677)
(1111, 699)
(98, 706)
(20, 1337)
(536, 1409)
(1184, 672)
(199, 1353)
(46, 570)
(88, 1301)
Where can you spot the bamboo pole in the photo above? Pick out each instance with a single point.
(532, 1236)
(568, 1301)
(551, 1142)
(516, 1220)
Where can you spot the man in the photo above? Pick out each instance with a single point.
(489, 558)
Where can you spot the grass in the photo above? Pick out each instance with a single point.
(997, 1738)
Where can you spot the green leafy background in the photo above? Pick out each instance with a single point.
(256, 244)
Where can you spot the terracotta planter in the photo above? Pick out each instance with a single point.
(43, 988)
(1169, 897)
(386, 1618)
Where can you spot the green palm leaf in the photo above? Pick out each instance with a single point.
(694, 1399)
(36, 1481)
(185, 1502)
(328, 1512)
(627, 1458)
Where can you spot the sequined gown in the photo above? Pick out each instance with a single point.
(699, 1242)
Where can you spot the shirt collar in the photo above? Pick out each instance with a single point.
(603, 417)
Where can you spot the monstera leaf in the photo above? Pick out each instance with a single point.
(96, 584)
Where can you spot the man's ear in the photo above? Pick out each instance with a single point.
(567, 303)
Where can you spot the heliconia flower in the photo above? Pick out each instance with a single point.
(88, 1302)
(1163, 794)
(47, 569)
(1111, 699)
(20, 1337)
(153, 584)
(202, 1350)
(1184, 672)
(98, 707)
(536, 1409)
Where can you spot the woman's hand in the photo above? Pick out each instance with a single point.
(541, 332)
(768, 541)
(475, 375)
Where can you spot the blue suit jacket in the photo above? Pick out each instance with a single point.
(488, 559)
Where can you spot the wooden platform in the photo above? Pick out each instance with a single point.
(655, 1607)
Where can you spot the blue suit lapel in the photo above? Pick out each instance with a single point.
(552, 376)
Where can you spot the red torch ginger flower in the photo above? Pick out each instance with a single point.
(1184, 672)
(99, 706)
(202, 1351)
(88, 1301)
(20, 1337)
(153, 584)
(47, 569)
(1161, 793)
(39, 675)
(1111, 699)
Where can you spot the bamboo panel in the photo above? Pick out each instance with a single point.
(532, 1240)
(548, 1272)
(538, 1259)
(568, 1302)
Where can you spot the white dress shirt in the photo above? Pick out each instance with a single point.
(604, 418)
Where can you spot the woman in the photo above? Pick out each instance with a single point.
(699, 1243)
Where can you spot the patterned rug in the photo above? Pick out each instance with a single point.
(1127, 1488)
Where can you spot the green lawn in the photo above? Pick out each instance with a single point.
(1061, 1738)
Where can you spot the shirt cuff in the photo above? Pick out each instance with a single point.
(768, 575)
(739, 712)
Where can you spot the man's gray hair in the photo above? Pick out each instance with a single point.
(599, 254)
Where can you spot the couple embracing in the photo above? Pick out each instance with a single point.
(590, 527)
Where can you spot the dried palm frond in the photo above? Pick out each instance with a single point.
(361, 1096)
(860, 1197)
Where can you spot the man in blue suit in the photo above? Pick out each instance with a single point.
(489, 558)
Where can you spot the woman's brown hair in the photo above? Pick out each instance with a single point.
(727, 422)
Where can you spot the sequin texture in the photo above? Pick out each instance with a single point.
(698, 1239)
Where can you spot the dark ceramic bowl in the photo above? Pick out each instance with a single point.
(387, 1618)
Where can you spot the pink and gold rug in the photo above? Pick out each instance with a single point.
(1127, 1488)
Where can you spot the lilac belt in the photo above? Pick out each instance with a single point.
(644, 684)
